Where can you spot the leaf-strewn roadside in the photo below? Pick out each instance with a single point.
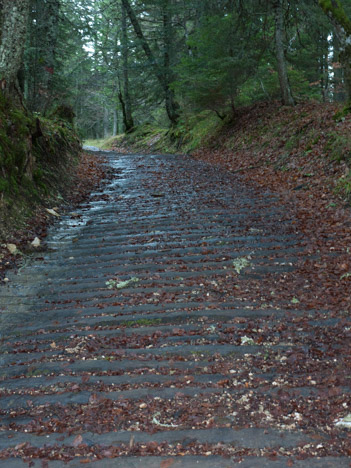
(304, 155)
(84, 178)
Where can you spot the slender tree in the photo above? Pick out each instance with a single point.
(286, 94)
(51, 32)
(342, 26)
(171, 105)
(124, 96)
(162, 74)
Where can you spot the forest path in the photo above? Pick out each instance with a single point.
(153, 330)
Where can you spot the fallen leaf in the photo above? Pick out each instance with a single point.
(167, 463)
(36, 242)
(131, 442)
(20, 446)
(12, 248)
(77, 441)
(93, 399)
(52, 212)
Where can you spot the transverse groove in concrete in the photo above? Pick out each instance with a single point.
(190, 355)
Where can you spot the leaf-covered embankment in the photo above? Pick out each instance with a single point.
(303, 154)
(41, 166)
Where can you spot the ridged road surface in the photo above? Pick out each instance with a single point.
(147, 335)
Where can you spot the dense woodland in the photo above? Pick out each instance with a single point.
(120, 63)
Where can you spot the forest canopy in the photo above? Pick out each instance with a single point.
(120, 63)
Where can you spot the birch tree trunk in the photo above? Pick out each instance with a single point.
(14, 15)
(287, 98)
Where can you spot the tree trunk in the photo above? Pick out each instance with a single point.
(14, 14)
(342, 25)
(115, 123)
(51, 30)
(171, 105)
(287, 98)
(106, 122)
(324, 66)
(338, 85)
(128, 118)
(124, 112)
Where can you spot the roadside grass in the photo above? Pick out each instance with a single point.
(104, 143)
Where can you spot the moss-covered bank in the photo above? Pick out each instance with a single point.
(192, 132)
(36, 157)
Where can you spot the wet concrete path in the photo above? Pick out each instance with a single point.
(145, 332)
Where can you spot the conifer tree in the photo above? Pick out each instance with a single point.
(342, 26)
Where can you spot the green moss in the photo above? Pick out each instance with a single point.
(4, 185)
(32, 167)
(343, 187)
(14, 185)
(105, 143)
(15, 136)
(292, 143)
(64, 112)
(200, 129)
(314, 139)
(338, 147)
(193, 131)
(340, 115)
(335, 8)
